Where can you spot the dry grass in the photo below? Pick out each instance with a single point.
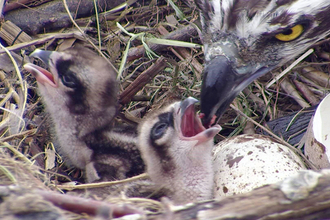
(122, 34)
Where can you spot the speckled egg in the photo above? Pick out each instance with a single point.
(246, 162)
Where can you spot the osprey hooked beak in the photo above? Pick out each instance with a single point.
(222, 82)
(245, 39)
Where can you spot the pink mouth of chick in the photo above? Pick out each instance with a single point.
(190, 123)
(192, 129)
(42, 76)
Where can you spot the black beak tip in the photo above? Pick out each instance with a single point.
(208, 113)
(222, 83)
(207, 122)
(43, 55)
(217, 89)
(210, 119)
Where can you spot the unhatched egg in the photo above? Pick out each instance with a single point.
(246, 162)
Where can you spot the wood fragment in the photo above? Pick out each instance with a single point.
(13, 34)
(89, 206)
(17, 4)
(17, 203)
(307, 93)
(258, 101)
(44, 39)
(52, 15)
(184, 55)
(292, 92)
(317, 76)
(310, 83)
(304, 196)
(102, 184)
(145, 77)
(325, 55)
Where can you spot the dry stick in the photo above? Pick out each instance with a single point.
(17, 4)
(312, 166)
(80, 205)
(145, 77)
(316, 76)
(22, 134)
(312, 85)
(302, 196)
(184, 54)
(180, 34)
(324, 55)
(293, 93)
(258, 101)
(266, 100)
(308, 94)
(103, 184)
(48, 37)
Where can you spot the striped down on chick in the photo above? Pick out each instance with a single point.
(80, 94)
(177, 150)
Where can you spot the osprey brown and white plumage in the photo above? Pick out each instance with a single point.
(80, 93)
(244, 39)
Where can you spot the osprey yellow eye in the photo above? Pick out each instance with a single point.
(291, 33)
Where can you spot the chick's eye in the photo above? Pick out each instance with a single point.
(158, 130)
(290, 34)
(69, 80)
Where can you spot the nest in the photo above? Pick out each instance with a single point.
(152, 72)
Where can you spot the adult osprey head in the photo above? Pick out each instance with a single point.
(244, 39)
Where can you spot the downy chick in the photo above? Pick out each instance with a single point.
(80, 94)
(177, 151)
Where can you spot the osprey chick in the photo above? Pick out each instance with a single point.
(244, 39)
(177, 151)
(80, 94)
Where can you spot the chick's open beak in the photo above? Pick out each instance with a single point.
(42, 75)
(190, 124)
